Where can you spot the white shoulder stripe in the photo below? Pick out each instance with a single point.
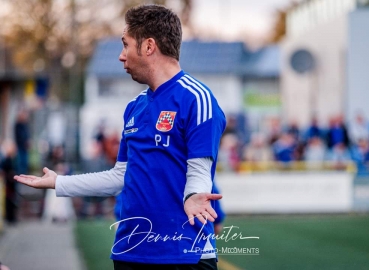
(206, 92)
(203, 99)
(143, 93)
(197, 99)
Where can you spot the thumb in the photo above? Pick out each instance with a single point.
(214, 196)
(45, 170)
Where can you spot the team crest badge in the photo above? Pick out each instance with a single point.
(165, 121)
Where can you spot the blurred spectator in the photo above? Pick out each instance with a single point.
(231, 126)
(358, 129)
(294, 130)
(284, 148)
(360, 154)
(257, 150)
(337, 133)
(100, 133)
(340, 156)
(22, 138)
(56, 156)
(8, 166)
(274, 131)
(299, 151)
(315, 153)
(313, 130)
(100, 136)
(112, 141)
(228, 152)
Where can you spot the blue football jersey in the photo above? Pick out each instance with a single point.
(162, 130)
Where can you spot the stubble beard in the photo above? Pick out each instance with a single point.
(139, 76)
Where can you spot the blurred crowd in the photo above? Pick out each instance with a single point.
(338, 144)
(23, 201)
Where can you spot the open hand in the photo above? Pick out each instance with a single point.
(46, 181)
(198, 205)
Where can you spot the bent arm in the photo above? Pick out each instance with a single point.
(101, 184)
(197, 194)
(198, 176)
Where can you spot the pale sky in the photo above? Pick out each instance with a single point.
(233, 19)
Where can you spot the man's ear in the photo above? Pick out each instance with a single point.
(150, 46)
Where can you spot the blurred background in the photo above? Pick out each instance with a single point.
(291, 77)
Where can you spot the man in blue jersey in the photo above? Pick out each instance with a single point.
(167, 157)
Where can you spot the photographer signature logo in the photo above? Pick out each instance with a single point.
(230, 233)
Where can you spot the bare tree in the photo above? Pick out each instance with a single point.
(57, 37)
(279, 29)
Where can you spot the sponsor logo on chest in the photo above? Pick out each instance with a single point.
(165, 121)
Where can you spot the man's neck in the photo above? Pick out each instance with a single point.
(162, 71)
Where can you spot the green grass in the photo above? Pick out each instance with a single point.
(94, 240)
(286, 242)
(302, 242)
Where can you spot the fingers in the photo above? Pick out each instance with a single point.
(212, 214)
(30, 177)
(191, 219)
(24, 177)
(201, 218)
(28, 180)
(45, 170)
(214, 196)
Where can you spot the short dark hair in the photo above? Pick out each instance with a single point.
(157, 22)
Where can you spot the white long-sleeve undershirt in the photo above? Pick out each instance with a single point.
(100, 184)
(110, 183)
(198, 176)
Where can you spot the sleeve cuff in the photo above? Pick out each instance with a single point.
(59, 188)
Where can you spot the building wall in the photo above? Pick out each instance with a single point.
(227, 89)
(106, 100)
(357, 97)
(262, 101)
(322, 91)
(115, 90)
(312, 13)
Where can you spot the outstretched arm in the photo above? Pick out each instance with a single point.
(107, 183)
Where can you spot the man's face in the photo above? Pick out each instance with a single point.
(134, 63)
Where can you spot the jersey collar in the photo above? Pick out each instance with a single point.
(166, 85)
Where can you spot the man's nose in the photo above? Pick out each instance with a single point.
(122, 57)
